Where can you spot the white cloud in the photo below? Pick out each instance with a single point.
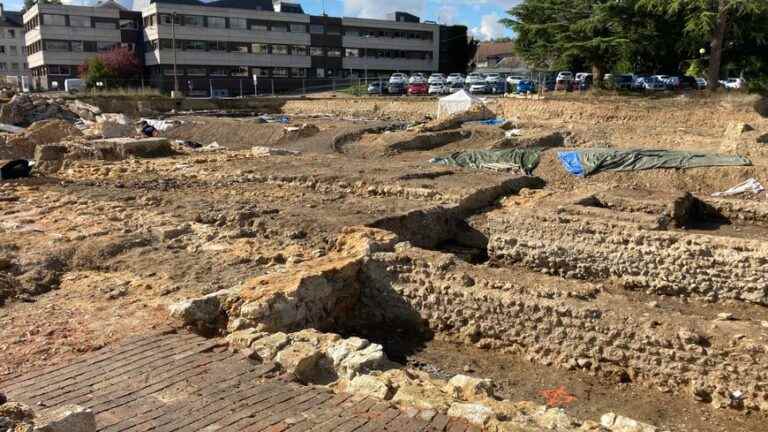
(447, 15)
(379, 9)
(490, 27)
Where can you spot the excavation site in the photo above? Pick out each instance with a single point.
(364, 264)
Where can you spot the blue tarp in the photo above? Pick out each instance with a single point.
(571, 162)
(489, 122)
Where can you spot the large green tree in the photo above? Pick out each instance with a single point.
(711, 20)
(560, 33)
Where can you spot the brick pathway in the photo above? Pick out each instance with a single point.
(177, 381)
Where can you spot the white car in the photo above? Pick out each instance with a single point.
(701, 83)
(438, 89)
(513, 80)
(398, 78)
(564, 76)
(475, 78)
(436, 78)
(733, 83)
(478, 87)
(653, 84)
(455, 78)
(417, 78)
(581, 76)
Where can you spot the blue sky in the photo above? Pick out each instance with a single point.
(481, 16)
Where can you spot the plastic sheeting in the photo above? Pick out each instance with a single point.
(458, 102)
(751, 186)
(589, 161)
(525, 160)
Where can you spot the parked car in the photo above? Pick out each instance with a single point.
(438, 89)
(496, 86)
(702, 83)
(525, 86)
(478, 87)
(689, 83)
(474, 78)
(455, 78)
(563, 80)
(733, 83)
(454, 87)
(436, 78)
(583, 81)
(653, 83)
(673, 82)
(564, 75)
(398, 78)
(623, 82)
(396, 88)
(513, 80)
(418, 88)
(417, 78)
(377, 87)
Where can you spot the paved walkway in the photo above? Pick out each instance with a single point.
(178, 381)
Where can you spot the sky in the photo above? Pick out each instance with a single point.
(481, 16)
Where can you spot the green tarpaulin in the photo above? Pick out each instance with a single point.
(584, 162)
(523, 159)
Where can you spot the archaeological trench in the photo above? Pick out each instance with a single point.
(665, 291)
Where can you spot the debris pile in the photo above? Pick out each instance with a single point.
(23, 110)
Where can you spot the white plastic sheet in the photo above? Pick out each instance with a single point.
(750, 185)
(458, 102)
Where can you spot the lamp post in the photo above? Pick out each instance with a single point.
(173, 41)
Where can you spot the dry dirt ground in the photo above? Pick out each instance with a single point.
(102, 248)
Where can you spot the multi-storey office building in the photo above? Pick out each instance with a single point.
(60, 38)
(13, 56)
(224, 45)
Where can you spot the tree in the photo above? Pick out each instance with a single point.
(116, 64)
(565, 33)
(709, 19)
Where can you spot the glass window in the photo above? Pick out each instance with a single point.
(316, 29)
(14, 66)
(11, 33)
(104, 46)
(79, 21)
(217, 22)
(280, 49)
(169, 71)
(259, 26)
(238, 23)
(3, 66)
(219, 71)
(261, 72)
(54, 45)
(353, 52)
(334, 52)
(77, 46)
(194, 45)
(196, 71)
(90, 46)
(280, 72)
(2, 49)
(279, 28)
(260, 48)
(298, 72)
(298, 28)
(217, 46)
(193, 20)
(333, 30)
(128, 24)
(238, 47)
(107, 25)
(316, 51)
(54, 20)
(299, 50)
(240, 71)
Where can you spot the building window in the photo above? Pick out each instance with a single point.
(3, 66)
(79, 21)
(199, 71)
(89, 46)
(259, 26)
(280, 49)
(261, 72)
(316, 51)
(278, 28)
(77, 46)
(240, 71)
(316, 29)
(353, 52)
(219, 71)
(104, 46)
(261, 49)
(169, 71)
(58, 70)
(165, 19)
(333, 30)
(298, 72)
(55, 45)
(194, 45)
(298, 28)
(14, 50)
(280, 72)
(238, 23)
(334, 52)
(193, 20)
(217, 46)
(14, 66)
(54, 20)
(11, 33)
(217, 22)
(299, 50)
(104, 24)
(2, 49)
(238, 47)
(128, 24)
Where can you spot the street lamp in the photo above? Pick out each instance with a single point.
(173, 41)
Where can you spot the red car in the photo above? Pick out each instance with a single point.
(418, 89)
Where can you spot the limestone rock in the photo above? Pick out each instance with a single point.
(243, 339)
(475, 413)
(123, 148)
(370, 386)
(469, 388)
(202, 310)
(112, 125)
(261, 151)
(422, 395)
(618, 423)
(355, 356)
(68, 418)
(302, 359)
(266, 348)
(84, 110)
